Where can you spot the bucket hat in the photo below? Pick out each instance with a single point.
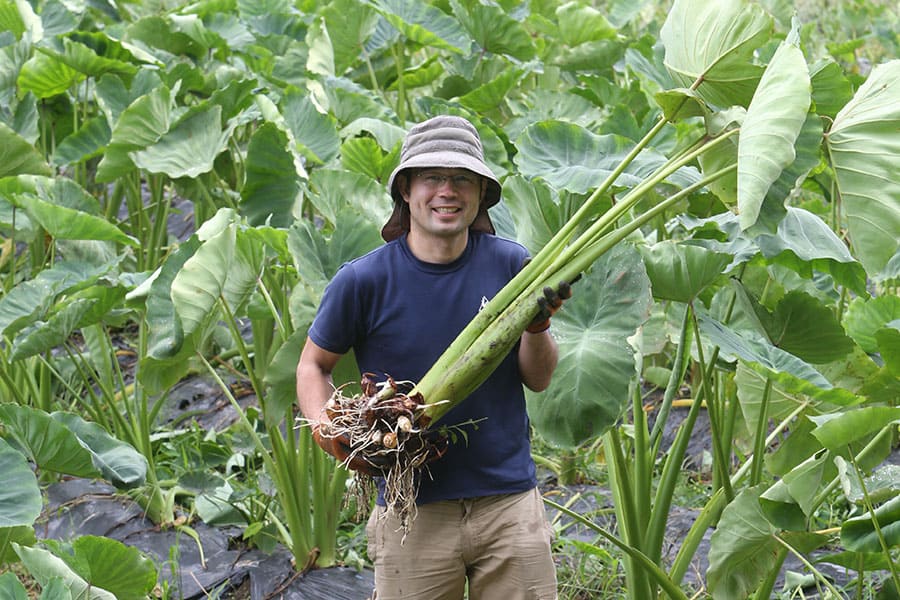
(444, 141)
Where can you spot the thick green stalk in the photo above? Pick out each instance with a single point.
(452, 378)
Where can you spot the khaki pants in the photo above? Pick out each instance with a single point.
(500, 544)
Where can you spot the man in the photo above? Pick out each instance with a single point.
(480, 518)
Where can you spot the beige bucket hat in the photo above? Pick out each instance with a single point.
(444, 141)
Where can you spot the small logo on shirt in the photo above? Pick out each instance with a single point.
(484, 302)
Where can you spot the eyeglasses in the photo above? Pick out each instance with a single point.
(461, 182)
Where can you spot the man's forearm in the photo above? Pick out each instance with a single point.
(538, 355)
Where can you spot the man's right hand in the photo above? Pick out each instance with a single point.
(339, 447)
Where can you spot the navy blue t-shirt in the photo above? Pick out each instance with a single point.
(399, 314)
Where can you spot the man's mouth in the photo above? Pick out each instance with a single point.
(446, 210)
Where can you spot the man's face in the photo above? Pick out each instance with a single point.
(442, 202)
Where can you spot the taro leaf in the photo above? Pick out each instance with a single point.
(680, 272)
(364, 155)
(80, 53)
(794, 449)
(805, 243)
(244, 273)
(572, 158)
(46, 442)
(865, 153)
(20, 497)
(831, 90)
(533, 210)
(349, 25)
(315, 131)
(140, 125)
(859, 534)
(199, 283)
(18, 157)
(46, 76)
(166, 335)
(189, 148)
(681, 103)
(424, 24)
(88, 142)
(888, 339)
(715, 42)
(807, 328)
(837, 430)
(589, 390)
(320, 56)
(10, 586)
(742, 548)
(492, 94)
(388, 135)
(579, 24)
(44, 566)
(866, 317)
(32, 298)
(111, 565)
(791, 500)
(493, 30)
(337, 190)
(69, 224)
(23, 535)
(774, 119)
(166, 34)
(118, 461)
(272, 183)
(56, 589)
(350, 101)
(41, 336)
(793, 373)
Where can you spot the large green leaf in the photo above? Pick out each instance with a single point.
(42, 336)
(44, 567)
(18, 157)
(865, 152)
(838, 430)
(494, 30)
(20, 497)
(774, 119)
(200, 281)
(596, 367)
(424, 24)
(95, 54)
(118, 461)
(46, 442)
(572, 158)
(535, 213)
(797, 489)
(859, 533)
(865, 317)
(742, 549)
(807, 328)
(70, 224)
(86, 143)
(679, 272)
(349, 25)
(110, 565)
(46, 76)
(337, 190)
(10, 586)
(189, 148)
(805, 244)
(714, 42)
(315, 131)
(272, 184)
(141, 125)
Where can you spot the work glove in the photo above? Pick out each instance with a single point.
(548, 304)
(340, 448)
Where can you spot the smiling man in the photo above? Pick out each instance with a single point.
(480, 519)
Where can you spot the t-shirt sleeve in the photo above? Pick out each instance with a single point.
(337, 323)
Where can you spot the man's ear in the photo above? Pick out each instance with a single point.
(403, 185)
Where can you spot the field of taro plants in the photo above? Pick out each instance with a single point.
(179, 180)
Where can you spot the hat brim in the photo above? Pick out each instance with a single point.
(448, 160)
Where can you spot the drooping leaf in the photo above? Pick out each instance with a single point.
(41, 336)
(590, 387)
(115, 567)
(69, 224)
(424, 24)
(860, 535)
(47, 76)
(790, 501)
(11, 588)
(117, 461)
(49, 444)
(808, 329)
(804, 243)
(492, 94)
(20, 497)
(831, 90)
(314, 130)
(349, 25)
(86, 143)
(716, 42)
(837, 430)
(865, 151)
(572, 158)
(865, 317)
(494, 30)
(189, 148)
(536, 215)
(23, 535)
(165, 331)
(338, 190)
(742, 548)
(18, 157)
(44, 566)
(579, 23)
(679, 272)
(774, 119)
(273, 182)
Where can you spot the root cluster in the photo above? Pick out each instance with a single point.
(386, 428)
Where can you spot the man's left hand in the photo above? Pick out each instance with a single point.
(549, 304)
